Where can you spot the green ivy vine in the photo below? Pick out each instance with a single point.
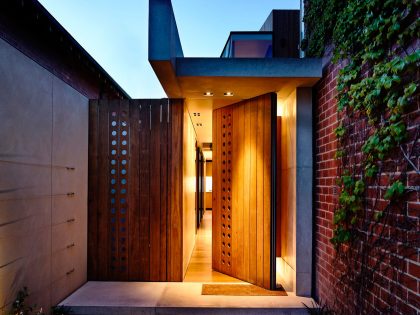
(373, 42)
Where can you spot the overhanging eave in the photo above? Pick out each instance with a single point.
(249, 67)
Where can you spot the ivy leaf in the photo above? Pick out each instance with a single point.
(397, 65)
(339, 154)
(340, 131)
(347, 181)
(371, 170)
(408, 91)
(378, 215)
(398, 131)
(414, 57)
(394, 191)
(359, 187)
(339, 216)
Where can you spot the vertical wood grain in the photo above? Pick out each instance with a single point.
(163, 188)
(246, 185)
(278, 188)
(103, 192)
(260, 192)
(237, 191)
(216, 189)
(113, 219)
(251, 189)
(155, 215)
(253, 193)
(125, 207)
(93, 189)
(175, 192)
(267, 189)
(144, 190)
(134, 228)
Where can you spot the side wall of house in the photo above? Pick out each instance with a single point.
(404, 298)
(286, 264)
(189, 192)
(294, 171)
(43, 182)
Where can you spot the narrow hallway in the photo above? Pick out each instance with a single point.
(199, 268)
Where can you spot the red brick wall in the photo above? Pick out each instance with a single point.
(396, 287)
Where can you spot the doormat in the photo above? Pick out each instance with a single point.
(239, 290)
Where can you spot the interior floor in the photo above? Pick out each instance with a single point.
(199, 268)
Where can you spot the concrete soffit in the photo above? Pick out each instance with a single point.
(248, 77)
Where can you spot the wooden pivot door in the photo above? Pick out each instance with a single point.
(135, 201)
(242, 190)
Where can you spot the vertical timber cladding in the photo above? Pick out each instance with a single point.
(135, 159)
(242, 153)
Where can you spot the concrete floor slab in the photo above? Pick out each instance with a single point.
(117, 294)
(173, 298)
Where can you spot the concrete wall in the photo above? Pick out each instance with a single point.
(287, 262)
(188, 215)
(304, 206)
(294, 267)
(44, 135)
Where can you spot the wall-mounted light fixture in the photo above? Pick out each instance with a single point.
(228, 94)
(208, 93)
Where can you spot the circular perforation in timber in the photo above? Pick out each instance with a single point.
(123, 201)
(226, 197)
(118, 183)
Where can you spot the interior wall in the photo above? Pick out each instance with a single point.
(287, 111)
(189, 192)
(209, 195)
(43, 182)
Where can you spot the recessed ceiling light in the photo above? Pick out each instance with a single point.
(228, 94)
(208, 94)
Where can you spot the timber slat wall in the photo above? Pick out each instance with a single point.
(135, 190)
(286, 33)
(250, 189)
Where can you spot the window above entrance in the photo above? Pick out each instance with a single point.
(249, 45)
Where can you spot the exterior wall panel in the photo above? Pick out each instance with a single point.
(43, 190)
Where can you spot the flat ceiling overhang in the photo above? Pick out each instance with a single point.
(190, 78)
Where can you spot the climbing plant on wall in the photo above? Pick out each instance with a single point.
(375, 42)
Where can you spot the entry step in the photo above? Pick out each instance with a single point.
(147, 298)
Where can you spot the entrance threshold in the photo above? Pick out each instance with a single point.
(146, 298)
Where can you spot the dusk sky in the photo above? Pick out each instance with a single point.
(115, 32)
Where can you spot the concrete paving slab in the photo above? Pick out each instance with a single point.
(135, 298)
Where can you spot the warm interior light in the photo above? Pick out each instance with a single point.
(279, 108)
(209, 184)
(228, 94)
(208, 93)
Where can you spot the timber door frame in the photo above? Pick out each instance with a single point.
(273, 204)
